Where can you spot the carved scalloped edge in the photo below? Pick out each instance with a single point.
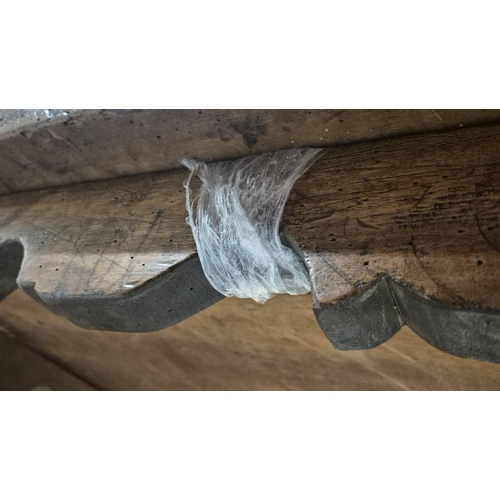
(161, 302)
(362, 322)
(378, 312)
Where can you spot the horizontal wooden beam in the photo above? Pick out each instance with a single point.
(92, 145)
(394, 231)
(115, 255)
(405, 231)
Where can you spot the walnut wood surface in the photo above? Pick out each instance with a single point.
(423, 211)
(91, 145)
(401, 230)
(114, 255)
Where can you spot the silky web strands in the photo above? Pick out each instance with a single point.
(236, 223)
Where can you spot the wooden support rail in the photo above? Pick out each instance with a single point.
(392, 231)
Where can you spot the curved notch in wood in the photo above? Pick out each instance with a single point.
(107, 255)
(405, 230)
(423, 211)
(377, 313)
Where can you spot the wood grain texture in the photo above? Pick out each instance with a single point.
(104, 144)
(423, 211)
(394, 231)
(116, 255)
(239, 345)
(24, 369)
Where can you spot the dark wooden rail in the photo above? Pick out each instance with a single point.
(393, 231)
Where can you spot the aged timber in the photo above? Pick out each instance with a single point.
(393, 231)
(92, 145)
(405, 230)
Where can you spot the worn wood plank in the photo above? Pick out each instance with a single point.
(240, 345)
(395, 231)
(114, 255)
(104, 144)
(407, 229)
